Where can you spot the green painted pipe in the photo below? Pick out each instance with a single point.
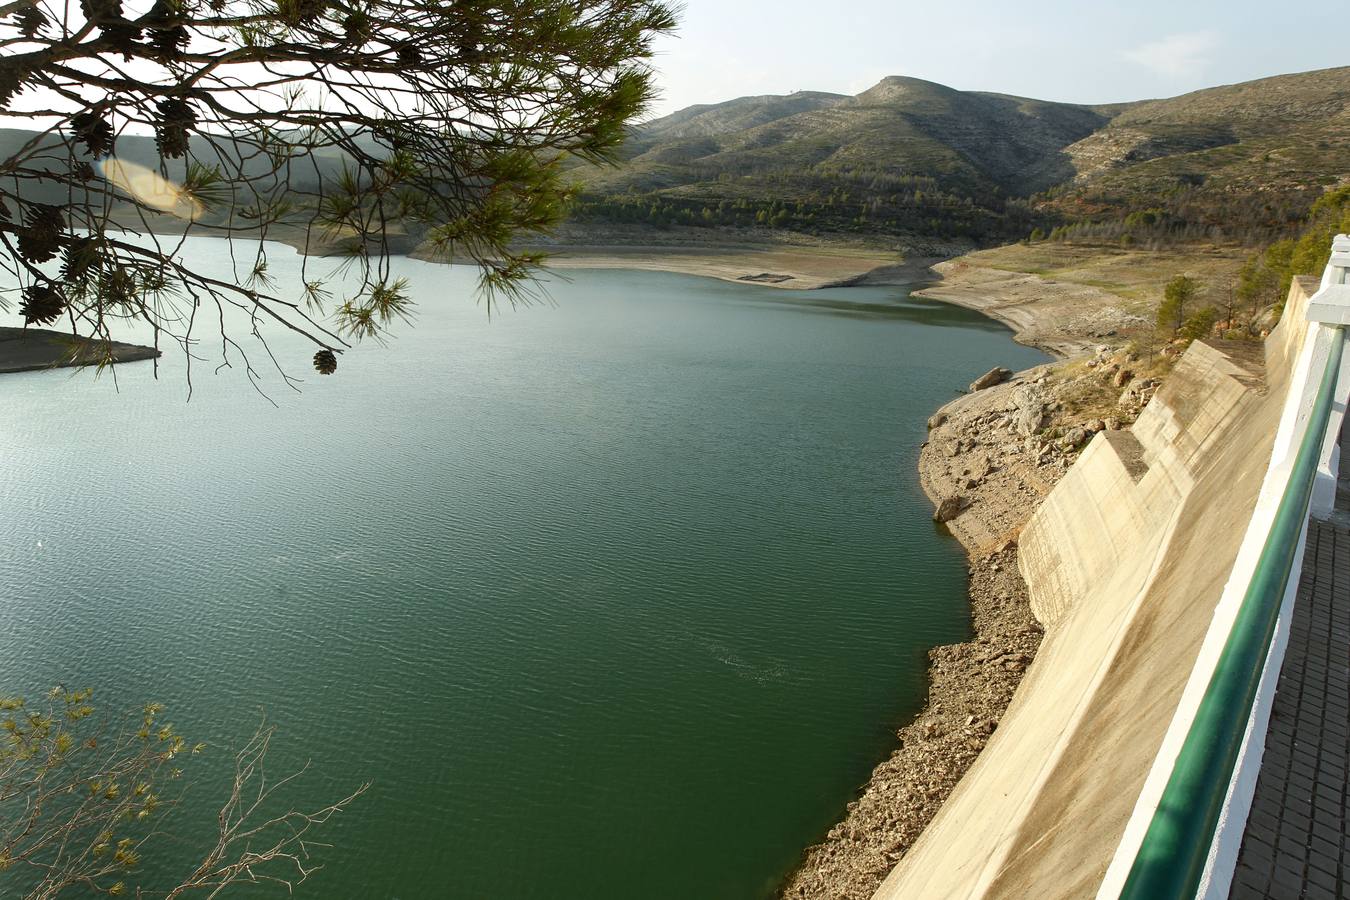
(1171, 859)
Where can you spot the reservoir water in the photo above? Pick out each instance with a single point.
(616, 597)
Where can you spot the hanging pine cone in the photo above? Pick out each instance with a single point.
(117, 288)
(94, 130)
(40, 238)
(409, 56)
(42, 304)
(168, 43)
(356, 27)
(79, 261)
(325, 362)
(301, 12)
(162, 14)
(30, 20)
(107, 15)
(11, 80)
(122, 35)
(168, 37)
(171, 134)
(99, 10)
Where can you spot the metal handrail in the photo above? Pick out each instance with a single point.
(1172, 857)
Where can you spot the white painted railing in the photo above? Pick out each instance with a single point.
(1183, 837)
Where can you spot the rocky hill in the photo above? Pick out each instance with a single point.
(902, 126)
(918, 165)
(913, 158)
(1259, 152)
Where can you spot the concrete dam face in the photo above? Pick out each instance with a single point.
(1127, 561)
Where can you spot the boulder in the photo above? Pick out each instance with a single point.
(949, 509)
(1073, 438)
(996, 375)
(1028, 410)
(1122, 378)
(937, 420)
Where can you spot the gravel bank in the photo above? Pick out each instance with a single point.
(970, 686)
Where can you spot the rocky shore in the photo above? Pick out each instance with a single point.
(991, 456)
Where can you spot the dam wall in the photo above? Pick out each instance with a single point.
(1126, 561)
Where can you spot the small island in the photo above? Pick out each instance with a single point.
(28, 349)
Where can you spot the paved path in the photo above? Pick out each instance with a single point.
(1297, 844)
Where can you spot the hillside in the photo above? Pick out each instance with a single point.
(913, 159)
(901, 126)
(913, 164)
(1259, 152)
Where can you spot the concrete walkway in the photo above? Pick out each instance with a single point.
(1297, 843)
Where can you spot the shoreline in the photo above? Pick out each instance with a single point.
(784, 268)
(976, 455)
(970, 683)
(991, 456)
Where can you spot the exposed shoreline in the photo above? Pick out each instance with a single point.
(786, 268)
(989, 460)
(970, 684)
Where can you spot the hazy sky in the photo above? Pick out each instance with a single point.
(1086, 52)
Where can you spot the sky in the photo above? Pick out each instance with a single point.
(1091, 51)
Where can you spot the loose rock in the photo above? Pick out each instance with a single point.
(996, 375)
(949, 509)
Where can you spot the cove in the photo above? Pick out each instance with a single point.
(617, 596)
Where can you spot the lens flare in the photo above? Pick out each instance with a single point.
(150, 188)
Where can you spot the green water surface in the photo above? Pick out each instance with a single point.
(619, 597)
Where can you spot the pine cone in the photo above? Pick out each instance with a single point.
(107, 15)
(356, 27)
(171, 135)
(94, 131)
(81, 258)
(303, 12)
(325, 362)
(98, 10)
(42, 304)
(168, 43)
(123, 35)
(11, 80)
(30, 20)
(117, 287)
(40, 239)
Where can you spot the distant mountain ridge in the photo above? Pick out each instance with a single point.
(907, 153)
(924, 166)
(918, 126)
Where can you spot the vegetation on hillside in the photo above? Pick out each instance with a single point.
(1265, 276)
(855, 203)
(1237, 164)
(913, 162)
(1250, 303)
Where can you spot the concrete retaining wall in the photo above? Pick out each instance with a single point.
(1126, 560)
